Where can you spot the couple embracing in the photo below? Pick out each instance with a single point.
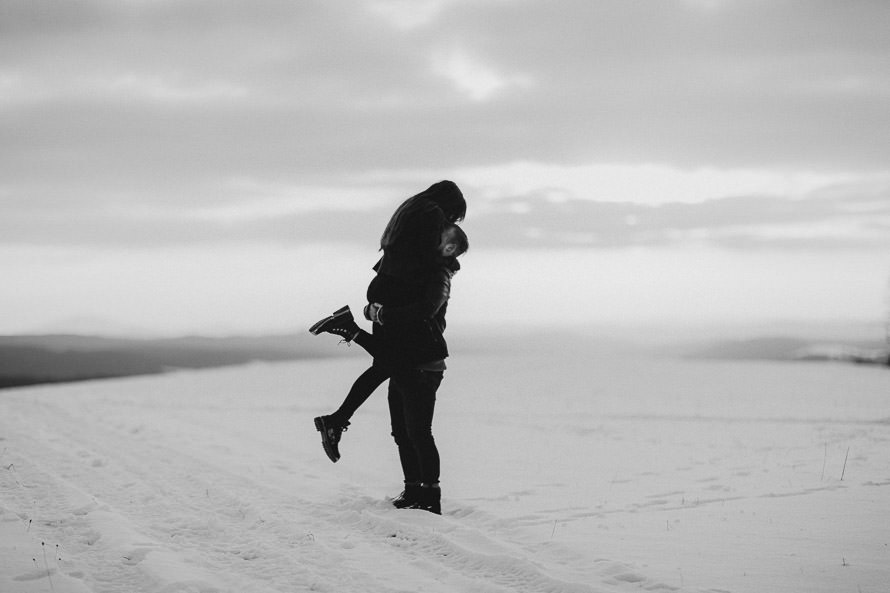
(407, 302)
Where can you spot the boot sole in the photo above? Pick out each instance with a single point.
(436, 510)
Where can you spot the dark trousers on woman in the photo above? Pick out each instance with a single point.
(368, 381)
(412, 401)
(360, 391)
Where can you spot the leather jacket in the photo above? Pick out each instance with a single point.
(410, 240)
(412, 317)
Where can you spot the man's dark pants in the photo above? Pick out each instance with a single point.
(412, 401)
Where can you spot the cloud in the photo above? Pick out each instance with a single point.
(407, 14)
(127, 121)
(843, 215)
(738, 84)
(645, 183)
(845, 218)
(478, 81)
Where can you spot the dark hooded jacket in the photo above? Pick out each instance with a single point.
(411, 238)
(413, 315)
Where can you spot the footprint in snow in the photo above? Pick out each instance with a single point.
(135, 556)
(35, 575)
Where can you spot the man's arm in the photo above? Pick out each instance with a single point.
(435, 295)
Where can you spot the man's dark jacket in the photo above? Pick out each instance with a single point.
(413, 316)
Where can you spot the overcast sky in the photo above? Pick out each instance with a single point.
(220, 166)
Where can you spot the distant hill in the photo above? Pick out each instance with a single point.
(30, 360)
(777, 348)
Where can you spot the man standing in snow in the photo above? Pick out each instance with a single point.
(407, 303)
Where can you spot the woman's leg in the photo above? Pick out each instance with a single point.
(367, 382)
(384, 354)
(369, 342)
(360, 391)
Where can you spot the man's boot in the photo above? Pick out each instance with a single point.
(430, 499)
(409, 496)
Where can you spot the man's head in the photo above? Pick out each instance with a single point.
(454, 242)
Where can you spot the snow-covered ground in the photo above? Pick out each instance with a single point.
(567, 471)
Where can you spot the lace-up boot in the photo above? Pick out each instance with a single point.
(341, 323)
(430, 499)
(331, 430)
(409, 496)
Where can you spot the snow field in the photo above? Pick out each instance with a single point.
(565, 472)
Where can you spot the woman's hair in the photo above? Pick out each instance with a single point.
(448, 197)
(414, 230)
(459, 238)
